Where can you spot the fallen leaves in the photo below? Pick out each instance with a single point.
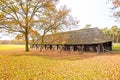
(40, 67)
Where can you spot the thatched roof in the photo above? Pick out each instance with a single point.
(82, 36)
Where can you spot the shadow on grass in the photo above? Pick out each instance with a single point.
(59, 55)
(55, 54)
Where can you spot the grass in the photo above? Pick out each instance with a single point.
(116, 47)
(58, 66)
(7, 47)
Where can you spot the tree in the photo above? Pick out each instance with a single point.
(58, 21)
(106, 31)
(33, 35)
(22, 16)
(116, 5)
(118, 36)
(87, 26)
(116, 14)
(19, 14)
(114, 32)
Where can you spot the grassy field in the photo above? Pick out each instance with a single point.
(9, 47)
(116, 47)
(36, 65)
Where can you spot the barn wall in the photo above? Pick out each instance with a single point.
(76, 47)
(108, 46)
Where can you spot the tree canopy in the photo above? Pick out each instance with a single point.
(116, 8)
(30, 17)
(114, 32)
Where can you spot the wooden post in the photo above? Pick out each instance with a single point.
(82, 48)
(36, 46)
(65, 47)
(102, 47)
(98, 48)
(50, 47)
(60, 48)
(57, 47)
(78, 47)
(45, 46)
(74, 48)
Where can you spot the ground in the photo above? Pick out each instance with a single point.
(51, 65)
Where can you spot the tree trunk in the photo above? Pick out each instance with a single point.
(117, 40)
(26, 41)
(42, 40)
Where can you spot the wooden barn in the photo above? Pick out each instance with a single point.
(83, 40)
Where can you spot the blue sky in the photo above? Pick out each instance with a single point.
(94, 12)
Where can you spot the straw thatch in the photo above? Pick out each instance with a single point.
(82, 36)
